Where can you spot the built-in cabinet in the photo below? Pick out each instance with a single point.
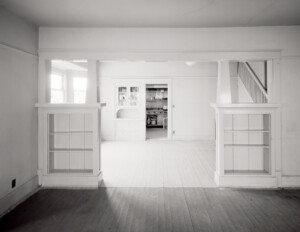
(245, 145)
(129, 109)
(70, 142)
(70, 146)
(128, 102)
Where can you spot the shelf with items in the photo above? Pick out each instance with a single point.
(128, 96)
(128, 102)
(157, 100)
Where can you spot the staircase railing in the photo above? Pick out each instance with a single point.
(252, 83)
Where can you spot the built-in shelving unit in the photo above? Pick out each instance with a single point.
(245, 144)
(70, 145)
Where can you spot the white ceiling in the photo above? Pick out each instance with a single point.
(157, 13)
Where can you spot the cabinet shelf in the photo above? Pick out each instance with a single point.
(247, 145)
(71, 171)
(157, 100)
(247, 172)
(70, 132)
(70, 149)
(247, 139)
(246, 130)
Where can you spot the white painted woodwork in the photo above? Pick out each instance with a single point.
(223, 85)
(70, 152)
(91, 92)
(276, 44)
(245, 145)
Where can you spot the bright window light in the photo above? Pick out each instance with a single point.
(79, 84)
(56, 82)
(57, 89)
(57, 96)
(79, 87)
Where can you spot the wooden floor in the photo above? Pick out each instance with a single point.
(156, 133)
(158, 163)
(156, 209)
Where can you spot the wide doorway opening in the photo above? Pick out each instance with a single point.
(157, 125)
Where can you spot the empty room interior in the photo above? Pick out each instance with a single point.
(149, 115)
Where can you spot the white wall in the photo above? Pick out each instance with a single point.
(193, 89)
(18, 117)
(290, 84)
(17, 33)
(193, 118)
(183, 44)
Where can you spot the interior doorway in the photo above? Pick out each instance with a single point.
(157, 96)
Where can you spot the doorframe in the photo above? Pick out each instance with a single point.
(169, 83)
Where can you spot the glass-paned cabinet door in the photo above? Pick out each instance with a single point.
(134, 96)
(128, 95)
(122, 96)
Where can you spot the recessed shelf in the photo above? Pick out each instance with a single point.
(70, 149)
(70, 132)
(247, 139)
(157, 100)
(246, 172)
(247, 145)
(71, 171)
(246, 130)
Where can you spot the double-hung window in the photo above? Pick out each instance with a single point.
(58, 93)
(79, 89)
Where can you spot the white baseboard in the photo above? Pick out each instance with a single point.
(290, 181)
(241, 181)
(20, 194)
(71, 181)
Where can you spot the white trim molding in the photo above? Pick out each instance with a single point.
(290, 181)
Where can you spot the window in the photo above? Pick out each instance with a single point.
(57, 88)
(79, 88)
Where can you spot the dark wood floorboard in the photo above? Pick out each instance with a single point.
(156, 210)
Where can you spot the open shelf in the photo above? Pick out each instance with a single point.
(69, 132)
(70, 143)
(247, 139)
(154, 126)
(246, 130)
(70, 149)
(157, 100)
(246, 172)
(71, 171)
(247, 145)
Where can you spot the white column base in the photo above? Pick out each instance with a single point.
(246, 181)
(72, 181)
